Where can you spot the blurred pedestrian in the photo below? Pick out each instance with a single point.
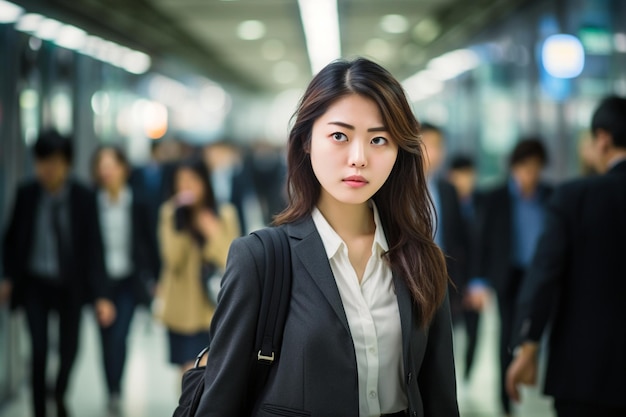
(194, 235)
(368, 331)
(152, 182)
(53, 262)
(233, 182)
(450, 232)
(513, 219)
(130, 258)
(577, 282)
(462, 174)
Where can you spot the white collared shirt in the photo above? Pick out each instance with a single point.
(115, 224)
(374, 320)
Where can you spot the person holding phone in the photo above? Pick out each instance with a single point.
(194, 237)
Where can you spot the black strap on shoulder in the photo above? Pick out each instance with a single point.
(275, 299)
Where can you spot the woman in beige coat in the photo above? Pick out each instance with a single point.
(194, 236)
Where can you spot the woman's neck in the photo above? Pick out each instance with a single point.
(114, 192)
(348, 220)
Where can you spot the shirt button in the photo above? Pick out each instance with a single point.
(373, 350)
(372, 394)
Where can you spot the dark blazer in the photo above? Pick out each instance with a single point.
(455, 242)
(495, 253)
(578, 277)
(152, 196)
(316, 372)
(86, 276)
(145, 251)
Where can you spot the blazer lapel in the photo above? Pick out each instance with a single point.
(405, 306)
(309, 249)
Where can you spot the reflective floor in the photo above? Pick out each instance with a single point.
(151, 386)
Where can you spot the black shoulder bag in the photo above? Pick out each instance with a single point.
(275, 300)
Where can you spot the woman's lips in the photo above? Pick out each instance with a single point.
(355, 181)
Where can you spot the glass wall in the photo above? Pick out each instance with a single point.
(514, 91)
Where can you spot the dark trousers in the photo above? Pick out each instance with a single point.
(114, 337)
(470, 320)
(507, 300)
(41, 298)
(575, 409)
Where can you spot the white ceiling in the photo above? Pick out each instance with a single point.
(201, 35)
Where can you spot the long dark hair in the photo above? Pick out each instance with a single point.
(184, 215)
(404, 203)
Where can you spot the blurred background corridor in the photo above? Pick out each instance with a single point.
(144, 87)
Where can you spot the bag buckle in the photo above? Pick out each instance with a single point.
(266, 358)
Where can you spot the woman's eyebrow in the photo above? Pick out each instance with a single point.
(348, 126)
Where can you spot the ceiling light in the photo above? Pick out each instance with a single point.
(9, 12)
(29, 22)
(394, 23)
(453, 64)
(251, 30)
(422, 85)
(91, 46)
(563, 56)
(48, 29)
(71, 37)
(321, 30)
(426, 31)
(136, 62)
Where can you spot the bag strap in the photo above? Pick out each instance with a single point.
(275, 300)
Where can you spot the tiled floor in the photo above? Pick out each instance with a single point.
(152, 387)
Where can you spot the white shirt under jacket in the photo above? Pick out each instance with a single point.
(374, 319)
(115, 223)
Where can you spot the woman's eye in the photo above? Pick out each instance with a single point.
(339, 137)
(379, 141)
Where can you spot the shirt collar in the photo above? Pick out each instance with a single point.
(516, 191)
(123, 201)
(333, 242)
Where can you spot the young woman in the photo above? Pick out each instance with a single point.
(130, 254)
(195, 236)
(368, 331)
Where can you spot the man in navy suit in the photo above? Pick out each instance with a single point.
(53, 262)
(511, 222)
(577, 279)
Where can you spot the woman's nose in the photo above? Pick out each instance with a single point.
(357, 155)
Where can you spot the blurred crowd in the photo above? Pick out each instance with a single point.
(158, 235)
(155, 235)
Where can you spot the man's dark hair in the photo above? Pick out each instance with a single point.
(611, 116)
(51, 142)
(526, 148)
(461, 162)
(429, 127)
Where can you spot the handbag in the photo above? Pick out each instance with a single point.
(275, 298)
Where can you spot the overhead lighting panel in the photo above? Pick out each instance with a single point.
(9, 12)
(320, 21)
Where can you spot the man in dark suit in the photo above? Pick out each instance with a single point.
(577, 279)
(53, 261)
(462, 174)
(512, 220)
(450, 233)
(152, 182)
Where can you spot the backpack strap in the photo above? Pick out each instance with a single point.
(275, 300)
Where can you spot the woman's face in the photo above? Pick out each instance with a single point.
(352, 153)
(189, 187)
(112, 174)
